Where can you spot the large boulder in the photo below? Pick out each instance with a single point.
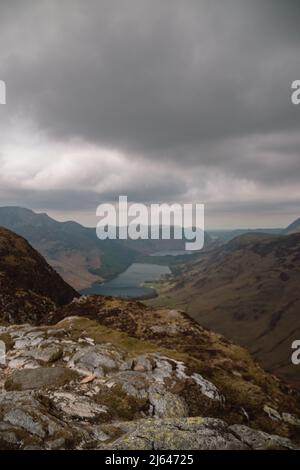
(39, 378)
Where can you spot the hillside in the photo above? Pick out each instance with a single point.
(293, 228)
(224, 236)
(29, 287)
(72, 250)
(247, 290)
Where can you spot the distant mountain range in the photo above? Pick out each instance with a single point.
(82, 259)
(226, 235)
(75, 252)
(72, 250)
(223, 236)
(248, 290)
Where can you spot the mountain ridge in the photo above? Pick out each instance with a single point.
(294, 227)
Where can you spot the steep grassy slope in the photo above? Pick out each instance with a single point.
(30, 288)
(247, 290)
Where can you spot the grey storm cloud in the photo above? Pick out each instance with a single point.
(199, 89)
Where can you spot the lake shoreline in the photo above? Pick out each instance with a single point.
(132, 284)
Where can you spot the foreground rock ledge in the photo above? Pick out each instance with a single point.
(81, 385)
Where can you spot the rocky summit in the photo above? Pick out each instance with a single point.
(101, 373)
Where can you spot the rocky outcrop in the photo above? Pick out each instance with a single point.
(82, 385)
(242, 390)
(193, 433)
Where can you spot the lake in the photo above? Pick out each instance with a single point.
(129, 284)
(172, 253)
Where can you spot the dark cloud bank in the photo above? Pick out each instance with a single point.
(193, 96)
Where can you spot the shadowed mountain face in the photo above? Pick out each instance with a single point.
(72, 250)
(247, 290)
(30, 288)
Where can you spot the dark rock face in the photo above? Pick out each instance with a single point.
(29, 287)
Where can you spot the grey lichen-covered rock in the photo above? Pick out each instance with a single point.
(166, 405)
(191, 434)
(207, 388)
(39, 378)
(133, 383)
(77, 406)
(272, 413)
(96, 360)
(291, 419)
(26, 421)
(172, 434)
(48, 354)
(61, 388)
(261, 440)
(23, 362)
(30, 425)
(143, 364)
(22, 419)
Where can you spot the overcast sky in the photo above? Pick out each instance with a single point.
(160, 100)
